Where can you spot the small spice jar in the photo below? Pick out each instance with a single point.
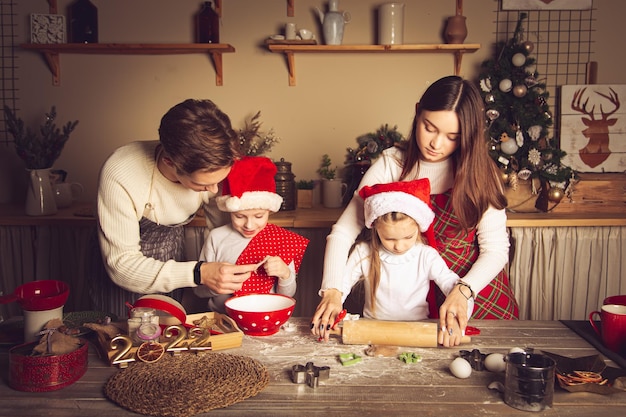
(143, 325)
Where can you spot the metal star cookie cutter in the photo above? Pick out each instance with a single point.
(309, 374)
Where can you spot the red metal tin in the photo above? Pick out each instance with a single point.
(45, 373)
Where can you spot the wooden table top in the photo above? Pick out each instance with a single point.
(316, 217)
(375, 386)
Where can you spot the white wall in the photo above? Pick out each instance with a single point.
(118, 99)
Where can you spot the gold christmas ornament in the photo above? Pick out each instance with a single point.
(528, 46)
(520, 90)
(555, 194)
(504, 176)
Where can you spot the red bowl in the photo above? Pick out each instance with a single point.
(260, 314)
(39, 295)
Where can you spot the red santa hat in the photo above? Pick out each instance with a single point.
(409, 197)
(250, 185)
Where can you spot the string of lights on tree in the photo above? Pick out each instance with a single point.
(519, 120)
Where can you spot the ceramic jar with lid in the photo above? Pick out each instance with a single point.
(285, 184)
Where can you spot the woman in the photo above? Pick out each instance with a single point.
(447, 145)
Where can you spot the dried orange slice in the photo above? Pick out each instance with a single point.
(150, 352)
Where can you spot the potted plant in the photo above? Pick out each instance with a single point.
(304, 195)
(332, 189)
(255, 142)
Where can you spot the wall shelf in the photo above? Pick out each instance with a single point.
(290, 49)
(51, 53)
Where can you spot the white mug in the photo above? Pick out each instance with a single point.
(66, 192)
(34, 322)
(333, 192)
(290, 31)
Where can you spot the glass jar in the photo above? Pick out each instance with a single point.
(143, 325)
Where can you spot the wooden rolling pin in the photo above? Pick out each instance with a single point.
(391, 333)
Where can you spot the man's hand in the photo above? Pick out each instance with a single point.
(224, 278)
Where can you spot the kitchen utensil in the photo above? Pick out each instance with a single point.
(394, 333)
(39, 295)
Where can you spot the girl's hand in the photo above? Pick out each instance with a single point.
(326, 313)
(276, 267)
(453, 318)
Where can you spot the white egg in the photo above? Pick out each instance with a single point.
(460, 368)
(517, 350)
(494, 362)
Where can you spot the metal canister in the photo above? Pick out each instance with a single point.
(285, 184)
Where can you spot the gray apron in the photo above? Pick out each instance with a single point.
(157, 241)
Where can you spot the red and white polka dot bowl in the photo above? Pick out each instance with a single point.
(260, 314)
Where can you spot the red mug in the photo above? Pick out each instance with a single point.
(615, 299)
(613, 325)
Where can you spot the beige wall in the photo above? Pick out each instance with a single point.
(119, 99)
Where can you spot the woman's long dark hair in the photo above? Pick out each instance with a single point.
(477, 180)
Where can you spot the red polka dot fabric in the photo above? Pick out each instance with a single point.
(271, 241)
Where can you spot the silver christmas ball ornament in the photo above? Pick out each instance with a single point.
(519, 59)
(505, 85)
(509, 147)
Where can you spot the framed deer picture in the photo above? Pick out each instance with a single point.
(593, 127)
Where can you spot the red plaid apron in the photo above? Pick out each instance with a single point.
(460, 250)
(272, 241)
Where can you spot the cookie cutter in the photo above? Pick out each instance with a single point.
(475, 358)
(348, 359)
(309, 374)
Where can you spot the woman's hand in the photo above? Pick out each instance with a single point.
(326, 312)
(453, 318)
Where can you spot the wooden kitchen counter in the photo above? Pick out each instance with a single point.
(375, 386)
(316, 217)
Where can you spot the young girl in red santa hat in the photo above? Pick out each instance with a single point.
(249, 195)
(395, 263)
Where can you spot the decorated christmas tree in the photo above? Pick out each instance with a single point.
(519, 121)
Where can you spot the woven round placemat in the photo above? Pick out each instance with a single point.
(187, 384)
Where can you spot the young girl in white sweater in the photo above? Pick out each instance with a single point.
(395, 263)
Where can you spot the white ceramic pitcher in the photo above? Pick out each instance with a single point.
(39, 196)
